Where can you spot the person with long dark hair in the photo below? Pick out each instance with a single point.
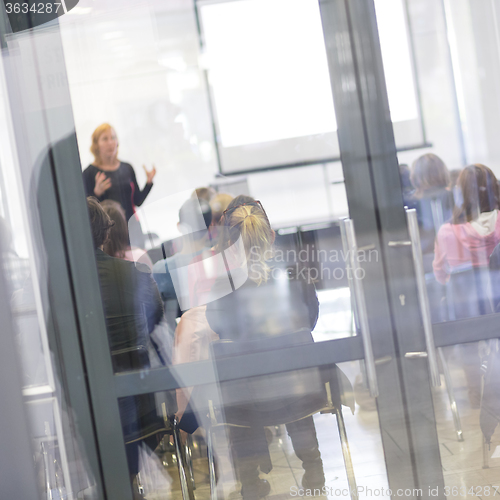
(473, 233)
(432, 199)
(462, 254)
(118, 243)
(132, 308)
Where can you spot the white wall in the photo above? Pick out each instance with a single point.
(137, 65)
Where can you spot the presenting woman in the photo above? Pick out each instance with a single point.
(108, 178)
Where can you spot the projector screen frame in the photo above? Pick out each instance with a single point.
(423, 144)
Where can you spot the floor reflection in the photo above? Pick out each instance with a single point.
(462, 461)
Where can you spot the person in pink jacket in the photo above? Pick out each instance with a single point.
(474, 231)
(464, 244)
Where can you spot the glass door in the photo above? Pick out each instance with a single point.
(309, 123)
(457, 297)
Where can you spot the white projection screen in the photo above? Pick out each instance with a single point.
(270, 86)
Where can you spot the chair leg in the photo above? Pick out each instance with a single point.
(189, 459)
(486, 446)
(211, 465)
(186, 484)
(486, 455)
(45, 461)
(346, 454)
(451, 395)
(140, 486)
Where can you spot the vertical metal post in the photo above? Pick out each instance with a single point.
(361, 305)
(422, 296)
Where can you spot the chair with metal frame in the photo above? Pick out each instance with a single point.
(276, 399)
(46, 453)
(468, 292)
(142, 418)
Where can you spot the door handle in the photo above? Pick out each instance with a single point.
(345, 248)
(416, 355)
(423, 298)
(361, 308)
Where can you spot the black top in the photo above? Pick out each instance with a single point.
(132, 307)
(124, 189)
(132, 303)
(284, 304)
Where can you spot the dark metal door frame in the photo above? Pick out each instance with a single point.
(375, 202)
(376, 206)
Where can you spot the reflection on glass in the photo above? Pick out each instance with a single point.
(26, 194)
(137, 337)
(273, 309)
(278, 450)
(470, 467)
(149, 80)
(459, 233)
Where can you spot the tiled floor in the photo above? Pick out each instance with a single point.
(461, 461)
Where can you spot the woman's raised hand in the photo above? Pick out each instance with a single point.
(150, 174)
(102, 184)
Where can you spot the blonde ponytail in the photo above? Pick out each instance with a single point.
(251, 224)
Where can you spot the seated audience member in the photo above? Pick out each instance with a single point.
(204, 267)
(218, 204)
(173, 246)
(118, 244)
(406, 185)
(132, 308)
(171, 274)
(433, 200)
(261, 302)
(473, 233)
(203, 193)
(253, 279)
(464, 246)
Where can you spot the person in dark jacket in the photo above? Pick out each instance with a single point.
(433, 200)
(132, 308)
(263, 301)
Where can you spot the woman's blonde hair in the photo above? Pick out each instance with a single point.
(250, 222)
(94, 148)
